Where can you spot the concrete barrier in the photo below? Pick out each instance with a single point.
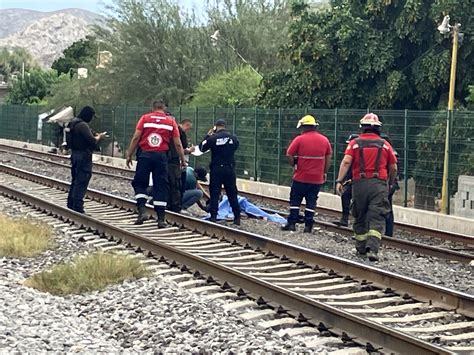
(410, 216)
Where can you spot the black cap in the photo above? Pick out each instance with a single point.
(351, 137)
(201, 174)
(220, 122)
(86, 114)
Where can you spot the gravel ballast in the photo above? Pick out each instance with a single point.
(442, 272)
(146, 315)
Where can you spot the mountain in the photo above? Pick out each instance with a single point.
(44, 34)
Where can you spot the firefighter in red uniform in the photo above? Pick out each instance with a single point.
(374, 169)
(154, 133)
(310, 155)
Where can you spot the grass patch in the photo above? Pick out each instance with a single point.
(86, 274)
(19, 238)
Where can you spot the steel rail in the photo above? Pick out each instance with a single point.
(365, 330)
(446, 298)
(422, 231)
(398, 243)
(54, 160)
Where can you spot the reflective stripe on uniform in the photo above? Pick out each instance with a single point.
(294, 207)
(361, 237)
(374, 233)
(158, 125)
(309, 210)
(159, 203)
(137, 196)
(310, 157)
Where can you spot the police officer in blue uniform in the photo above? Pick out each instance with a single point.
(222, 145)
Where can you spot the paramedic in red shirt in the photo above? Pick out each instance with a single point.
(154, 134)
(310, 155)
(374, 170)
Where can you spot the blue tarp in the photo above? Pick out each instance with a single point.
(225, 211)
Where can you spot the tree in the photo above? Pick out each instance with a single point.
(161, 50)
(470, 98)
(12, 61)
(430, 145)
(238, 87)
(256, 28)
(80, 54)
(33, 88)
(370, 53)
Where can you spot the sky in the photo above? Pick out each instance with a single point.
(51, 5)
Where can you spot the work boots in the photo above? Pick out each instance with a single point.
(237, 221)
(161, 220)
(308, 228)
(344, 221)
(142, 216)
(289, 227)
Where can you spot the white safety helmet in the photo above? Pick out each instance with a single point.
(370, 119)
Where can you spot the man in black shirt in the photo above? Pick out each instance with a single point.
(82, 143)
(222, 145)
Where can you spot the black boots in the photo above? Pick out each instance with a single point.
(289, 227)
(142, 216)
(344, 221)
(161, 220)
(308, 228)
(237, 221)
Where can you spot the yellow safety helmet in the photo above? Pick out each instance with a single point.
(307, 120)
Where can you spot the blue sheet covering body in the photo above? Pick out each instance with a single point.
(225, 211)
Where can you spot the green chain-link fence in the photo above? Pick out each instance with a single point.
(418, 137)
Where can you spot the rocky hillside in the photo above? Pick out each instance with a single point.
(44, 34)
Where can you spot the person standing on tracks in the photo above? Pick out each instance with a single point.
(175, 172)
(82, 142)
(374, 169)
(389, 218)
(310, 155)
(346, 195)
(154, 134)
(222, 145)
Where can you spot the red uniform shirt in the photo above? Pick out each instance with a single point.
(311, 148)
(158, 129)
(370, 155)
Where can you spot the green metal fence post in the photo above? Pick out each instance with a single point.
(113, 133)
(279, 148)
(180, 116)
(196, 120)
(125, 111)
(335, 150)
(255, 144)
(405, 159)
(234, 121)
(214, 114)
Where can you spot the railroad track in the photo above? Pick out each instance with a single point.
(451, 246)
(387, 310)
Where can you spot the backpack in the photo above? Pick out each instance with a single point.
(69, 131)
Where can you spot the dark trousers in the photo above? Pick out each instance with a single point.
(223, 175)
(389, 219)
(155, 163)
(309, 192)
(175, 187)
(81, 173)
(346, 198)
(369, 207)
